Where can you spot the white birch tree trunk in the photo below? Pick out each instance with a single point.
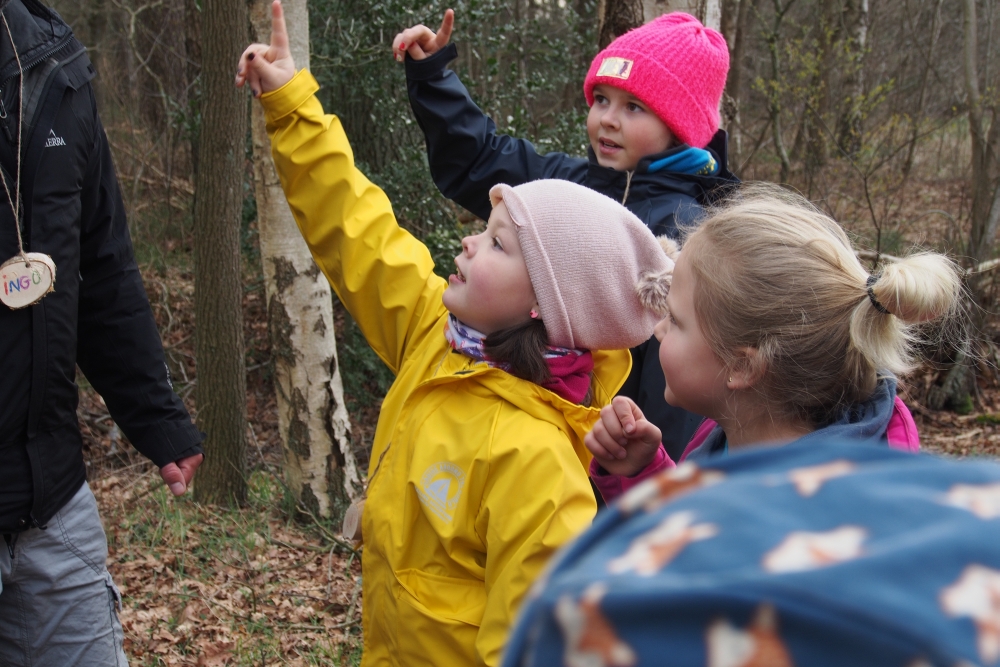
(320, 467)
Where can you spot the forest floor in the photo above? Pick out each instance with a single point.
(254, 586)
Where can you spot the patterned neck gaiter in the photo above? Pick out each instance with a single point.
(570, 369)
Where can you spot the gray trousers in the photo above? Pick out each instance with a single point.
(58, 604)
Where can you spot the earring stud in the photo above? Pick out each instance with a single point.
(534, 314)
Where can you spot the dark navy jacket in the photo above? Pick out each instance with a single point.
(467, 157)
(98, 317)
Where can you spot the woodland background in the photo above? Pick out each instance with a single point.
(883, 112)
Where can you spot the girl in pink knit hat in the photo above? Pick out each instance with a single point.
(655, 145)
(479, 470)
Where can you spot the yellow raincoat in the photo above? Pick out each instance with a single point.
(476, 476)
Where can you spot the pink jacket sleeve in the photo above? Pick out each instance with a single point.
(901, 434)
(612, 486)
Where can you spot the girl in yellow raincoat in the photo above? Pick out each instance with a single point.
(479, 471)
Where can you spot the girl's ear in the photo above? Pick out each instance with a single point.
(747, 369)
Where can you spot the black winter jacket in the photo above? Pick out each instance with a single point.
(467, 157)
(98, 316)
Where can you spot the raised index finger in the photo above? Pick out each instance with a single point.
(279, 33)
(444, 32)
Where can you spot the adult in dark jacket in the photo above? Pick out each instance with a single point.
(467, 156)
(57, 601)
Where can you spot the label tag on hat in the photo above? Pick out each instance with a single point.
(26, 279)
(616, 68)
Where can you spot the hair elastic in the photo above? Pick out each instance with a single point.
(871, 295)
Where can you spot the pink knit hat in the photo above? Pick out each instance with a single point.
(600, 276)
(673, 64)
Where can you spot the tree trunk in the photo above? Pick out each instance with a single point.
(849, 130)
(312, 418)
(819, 94)
(709, 12)
(984, 148)
(218, 287)
(729, 22)
(774, 88)
(616, 17)
(954, 390)
(918, 114)
(192, 67)
(97, 29)
(734, 88)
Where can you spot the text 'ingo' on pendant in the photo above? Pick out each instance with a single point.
(26, 279)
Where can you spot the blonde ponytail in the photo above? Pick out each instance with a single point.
(775, 274)
(915, 289)
(918, 288)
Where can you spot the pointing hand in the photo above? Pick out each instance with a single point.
(420, 41)
(267, 67)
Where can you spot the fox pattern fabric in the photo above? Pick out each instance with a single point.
(812, 555)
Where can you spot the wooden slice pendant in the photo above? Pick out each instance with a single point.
(351, 528)
(26, 279)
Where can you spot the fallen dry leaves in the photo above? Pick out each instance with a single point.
(204, 586)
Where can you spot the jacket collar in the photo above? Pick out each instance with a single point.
(864, 422)
(611, 368)
(611, 181)
(37, 32)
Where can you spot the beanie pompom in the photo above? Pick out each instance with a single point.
(670, 247)
(653, 286)
(652, 290)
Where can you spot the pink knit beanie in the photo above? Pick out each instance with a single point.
(600, 276)
(673, 64)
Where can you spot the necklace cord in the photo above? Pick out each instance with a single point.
(15, 201)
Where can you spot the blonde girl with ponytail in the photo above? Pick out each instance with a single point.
(778, 333)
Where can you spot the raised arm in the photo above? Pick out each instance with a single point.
(380, 272)
(467, 155)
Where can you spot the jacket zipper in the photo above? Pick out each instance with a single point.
(37, 60)
(3, 119)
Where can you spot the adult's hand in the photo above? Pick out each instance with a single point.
(267, 67)
(420, 41)
(178, 475)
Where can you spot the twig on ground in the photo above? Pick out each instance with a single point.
(323, 529)
(349, 616)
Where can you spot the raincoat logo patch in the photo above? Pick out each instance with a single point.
(440, 488)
